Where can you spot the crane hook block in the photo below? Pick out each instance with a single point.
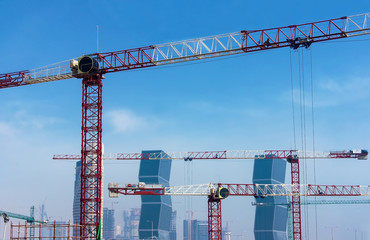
(87, 66)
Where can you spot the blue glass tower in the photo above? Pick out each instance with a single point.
(156, 211)
(109, 225)
(271, 212)
(195, 230)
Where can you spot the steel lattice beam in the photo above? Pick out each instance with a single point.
(296, 199)
(202, 48)
(253, 190)
(214, 218)
(91, 161)
(225, 154)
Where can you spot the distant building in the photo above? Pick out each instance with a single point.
(156, 211)
(44, 217)
(195, 230)
(173, 232)
(270, 220)
(77, 194)
(59, 232)
(109, 227)
(130, 229)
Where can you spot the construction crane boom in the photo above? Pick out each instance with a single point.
(29, 219)
(360, 154)
(255, 190)
(244, 41)
(214, 193)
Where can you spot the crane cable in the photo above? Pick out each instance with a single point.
(303, 127)
(292, 90)
(313, 137)
(302, 110)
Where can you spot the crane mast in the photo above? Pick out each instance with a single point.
(91, 69)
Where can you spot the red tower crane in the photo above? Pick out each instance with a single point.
(92, 68)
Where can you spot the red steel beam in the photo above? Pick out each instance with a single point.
(138, 191)
(125, 59)
(294, 36)
(13, 79)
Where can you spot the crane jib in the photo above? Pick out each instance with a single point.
(293, 36)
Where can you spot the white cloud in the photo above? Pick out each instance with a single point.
(206, 107)
(124, 121)
(333, 92)
(330, 92)
(7, 131)
(24, 119)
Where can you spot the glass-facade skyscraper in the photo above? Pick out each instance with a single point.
(76, 197)
(109, 226)
(156, 211)
(271, 217)
(131, 220)
(195, 230)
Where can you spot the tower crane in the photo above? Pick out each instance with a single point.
(91, 69)
(292, 156)
(218, 191)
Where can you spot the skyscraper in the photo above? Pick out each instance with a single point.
(77, 194)
(130, 230)
(109, 226)
(195, 230)
(270, 219)
(173, 231)
(156, 211)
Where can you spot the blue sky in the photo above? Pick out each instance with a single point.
(242, 102)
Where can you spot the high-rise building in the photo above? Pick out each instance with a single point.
(43, 217)
(59, 231)
(156, 211)
(271, 212)
(130, 230)
(109, 226)
(195, 230)
(77, 195)
(173, 226)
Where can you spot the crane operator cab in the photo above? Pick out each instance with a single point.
(84, 66)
